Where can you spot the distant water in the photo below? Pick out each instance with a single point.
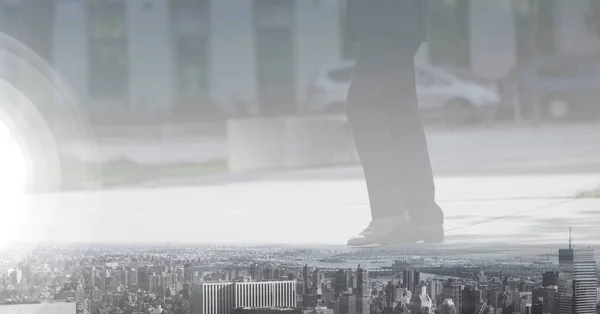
(368, 264)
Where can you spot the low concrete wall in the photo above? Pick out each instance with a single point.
(289, 142)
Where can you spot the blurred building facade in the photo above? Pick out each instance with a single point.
(472, 33)
(223, 55)
(156, 55)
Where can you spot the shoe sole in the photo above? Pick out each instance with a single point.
(366, 246)
(430, 240)
(427, 235)
(432, 236)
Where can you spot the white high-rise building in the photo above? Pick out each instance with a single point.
(223, 297)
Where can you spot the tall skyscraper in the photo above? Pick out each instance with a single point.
(256, 272)
(390, 294)
(307, 279)
(576, 281)
(363, 305)
(549, 279)
(472, 298)
(133, 276)
(340, 282)
(448, 307)
(124, 277)
(537, 309)
(408, 279)
(417, 281)
(317, 278)
(363, 286)
(91, 280)
(347, 304)
(434, 289)
(154, 283)
(269, 273)
(188, 273)
(454, 291)
(547, 296)
(421, 302)
(411, 279)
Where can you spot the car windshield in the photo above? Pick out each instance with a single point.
(342, 74)
(465, 74)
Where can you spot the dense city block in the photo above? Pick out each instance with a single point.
(231, 280)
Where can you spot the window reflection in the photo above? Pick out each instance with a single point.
(108, 50)
(449, 36)
(190, 24)
(275, 54)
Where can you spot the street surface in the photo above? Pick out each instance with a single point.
(499, 187)
(510, 210)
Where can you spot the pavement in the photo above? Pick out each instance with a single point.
(499, 188)
(488, 212)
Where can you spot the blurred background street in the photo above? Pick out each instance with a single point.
(503, 149)
(168, 105)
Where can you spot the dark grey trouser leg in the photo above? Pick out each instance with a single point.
(373, 143)
(409, 145)
(383, 113)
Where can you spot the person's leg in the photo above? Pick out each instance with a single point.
(383, 113)
(367, 116)
(413, 172)
(367, 112)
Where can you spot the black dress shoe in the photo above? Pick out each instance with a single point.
(380, 229)
(400, 230)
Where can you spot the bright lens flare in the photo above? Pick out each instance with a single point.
(13, 184)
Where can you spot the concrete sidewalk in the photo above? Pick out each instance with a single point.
(483, 204)
(512, 211)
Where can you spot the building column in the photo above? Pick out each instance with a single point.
(493, 41)
(232, 53)
(573, 34)
(150, 55)
(317, 34)
(450, 33)
(70, 48)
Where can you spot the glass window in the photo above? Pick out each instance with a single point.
(341, 75)
(191, 31)
(8, 19)
(349, 42)
(35, 25)
(449, 36)
(543, 31)
(274, 13)
(594, 17)
(275, 56)
(108, 50)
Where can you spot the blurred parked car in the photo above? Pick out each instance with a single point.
(568, 87)
(441, 93)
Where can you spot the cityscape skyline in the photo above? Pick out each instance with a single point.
(472, 282)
